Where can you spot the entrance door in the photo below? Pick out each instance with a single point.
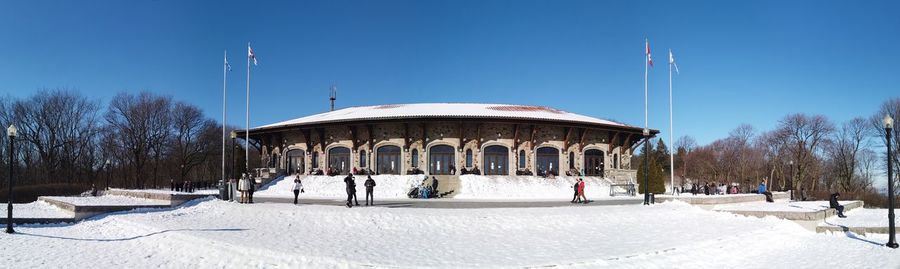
(440, 158)
(295, 161)
(388, 160)
(339, 160)
(593, 162)
(547, 161)
(496, 160)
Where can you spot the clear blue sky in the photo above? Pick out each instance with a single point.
(741, 61)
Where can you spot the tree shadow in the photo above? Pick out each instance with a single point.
(132, 237)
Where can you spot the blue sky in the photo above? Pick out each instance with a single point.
(741, 61)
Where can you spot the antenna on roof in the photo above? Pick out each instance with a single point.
(333, 95)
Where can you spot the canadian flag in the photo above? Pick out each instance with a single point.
(649, 59)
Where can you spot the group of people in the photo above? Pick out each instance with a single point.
(579, 192)
(713, 188)
(350, 184)
(424, 191)
(245, 186)
(185, 186)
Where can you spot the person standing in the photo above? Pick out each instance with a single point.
(252, 188)
(581, 191)
(298, 187)
(434, 186)
(370, 187)
(243, 186)
(575, 191)
(172, 184)
(351, 189)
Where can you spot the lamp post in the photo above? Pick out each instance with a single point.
(11, 132)
(646, 168)
(888, 126)
(108, 170)
(233, 164)
(791, 162)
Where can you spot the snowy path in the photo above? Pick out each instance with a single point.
(216, 234)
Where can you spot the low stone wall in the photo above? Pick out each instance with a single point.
(720, 199)
(795, 215)
(174, 198)
(85, 211)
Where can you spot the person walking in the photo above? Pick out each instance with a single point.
(370, 187)
(351, 190)
(581, 191)
(575, 191)
(298, 187)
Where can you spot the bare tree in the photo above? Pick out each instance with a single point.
(193, 137)
(140, 125)
(843, 152)
(805, 135)
(684, 147)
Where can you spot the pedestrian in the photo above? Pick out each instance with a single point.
(706, 188)
(833, 203)
(243, 186)
(298, 187)
(694, 189)
(434, 185)
(351, 190)
(803, 194)
(370, 187)
(252, 188)
(575, 191)
(581, 191)
(423, 189)
(93, 190)
(172, 184)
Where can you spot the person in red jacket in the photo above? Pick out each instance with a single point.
(581, 191)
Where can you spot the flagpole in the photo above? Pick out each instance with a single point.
(671, 130)
(247, 140)
(646, 127)
(224, 110)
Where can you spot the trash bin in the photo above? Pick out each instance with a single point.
(652, 198)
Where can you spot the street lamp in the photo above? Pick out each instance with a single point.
(11, 132)
(791, 162)
(888, 125)
(107, 173)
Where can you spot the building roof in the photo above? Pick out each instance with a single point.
(443, 110)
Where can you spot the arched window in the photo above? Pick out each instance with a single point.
(593, 162)
(295, 162)
(521, 159)
(616, 161)
(387, 160)
(469, 158)
(315, 160)
(339, 160)
(440, 158)
(496, 160)
(547, 161)
(362, 158)
(415, 158)
(571, 160)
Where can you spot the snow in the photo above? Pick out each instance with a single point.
(108, 200)
(863, 217)
(38, 209)
(528, 187)
(217, 234)
(445, 110)
(387, 186)
(167, 191)
(778, 205)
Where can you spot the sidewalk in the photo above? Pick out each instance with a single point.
(451, 203)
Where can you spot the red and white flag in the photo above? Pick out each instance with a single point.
(649, 59)
(251, 55)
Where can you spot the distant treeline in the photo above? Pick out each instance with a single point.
(147, 139)
(803, 151)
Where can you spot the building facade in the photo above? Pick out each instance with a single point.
(450, 139)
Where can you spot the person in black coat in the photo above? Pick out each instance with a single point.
(575, 189)
(351, 190)
(370, 187)
(434, 186)
(837, 206)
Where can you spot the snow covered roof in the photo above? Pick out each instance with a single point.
(443, 110)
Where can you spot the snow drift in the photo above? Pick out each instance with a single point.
(528, 187)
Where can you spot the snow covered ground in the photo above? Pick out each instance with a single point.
(216, 234)
(388, 186)
(863, 217)
(108, 200)
(528, 187)
(778, 205)
(167, 191)
(37, 209)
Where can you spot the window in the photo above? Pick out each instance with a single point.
(495, 161)
(572, 160)
(593, 162)
(339, 160)
(315, 160)
(295, 161)
(522, 159)
(388, 160)
(440, 159)
(616, 161)
(469, 158)
(362, 158)
(415, 158)
(547, 161)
